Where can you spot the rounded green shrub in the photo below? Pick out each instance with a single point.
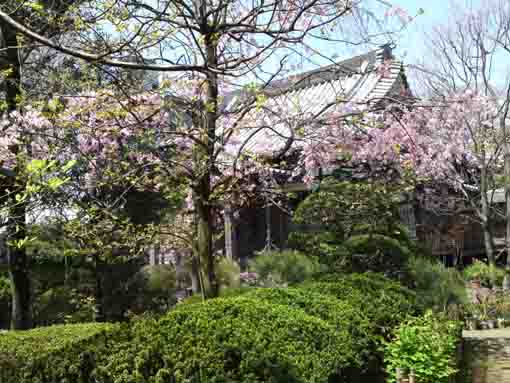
(229, 340)
(285, 267)
(375, 252)
(63, 353)
(227, 292)
(385, 302)
(356, 332)
(436, 286)
(227, 272)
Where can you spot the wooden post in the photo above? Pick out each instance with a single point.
(412, 377)
(399, 375)
(230, 234)
(402, 376)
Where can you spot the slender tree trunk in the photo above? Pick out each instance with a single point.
(486, 218)
(205, 251)
(506, 178)
(196, 286)
(21, 317)
(203, 166)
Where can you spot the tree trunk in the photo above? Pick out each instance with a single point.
(488, 242)
(230, 234)
(21, 317)
(196, 286)
(486, 218)
(204, 161)
(205, 254)
(506, 178)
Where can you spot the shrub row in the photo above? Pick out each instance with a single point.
(317, 333)
(354, 329)
(239, 339)
(53, 354)
(385, 302)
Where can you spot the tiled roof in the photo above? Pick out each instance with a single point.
(318, 93)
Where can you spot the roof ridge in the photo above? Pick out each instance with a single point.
(331, 72)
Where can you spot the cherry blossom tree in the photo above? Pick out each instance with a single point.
(212, 50)
(454, 141)
(468, 54)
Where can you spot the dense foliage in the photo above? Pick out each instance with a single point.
(353, 226)
(385, 302)
(342, 206)
(66, 294)
(486, 274)
(427, 345)
(55, 354)
(227, 272)
(374, 252)
(229, 340)
(285, 267)
(436, 286)
(5, 301)
(356, 332)
(328, 331)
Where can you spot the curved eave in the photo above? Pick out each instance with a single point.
(385, 86)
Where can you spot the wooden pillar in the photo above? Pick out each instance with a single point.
(408, 219)
(399, 375)
(412, 377)
(152, 256)
(230, 234)
(269, 240)
(404, 377)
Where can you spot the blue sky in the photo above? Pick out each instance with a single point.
(412, 40)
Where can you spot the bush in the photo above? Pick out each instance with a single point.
(483, 272)
(324, 245)
(227, 272)
(54, 354)
(340, 206)
(436, 286)
(228, 340)
(154, 289)
(229, 292)
(375, 252)
(385, 302)
(285, 267)
(427, 345)
(5, 302)
(352, 326)
(63, 305)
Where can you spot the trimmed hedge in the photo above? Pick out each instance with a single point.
(385, 302)
(55, 354)
(240, 340)
(355, 330)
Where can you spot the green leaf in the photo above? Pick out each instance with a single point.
(69, 165)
